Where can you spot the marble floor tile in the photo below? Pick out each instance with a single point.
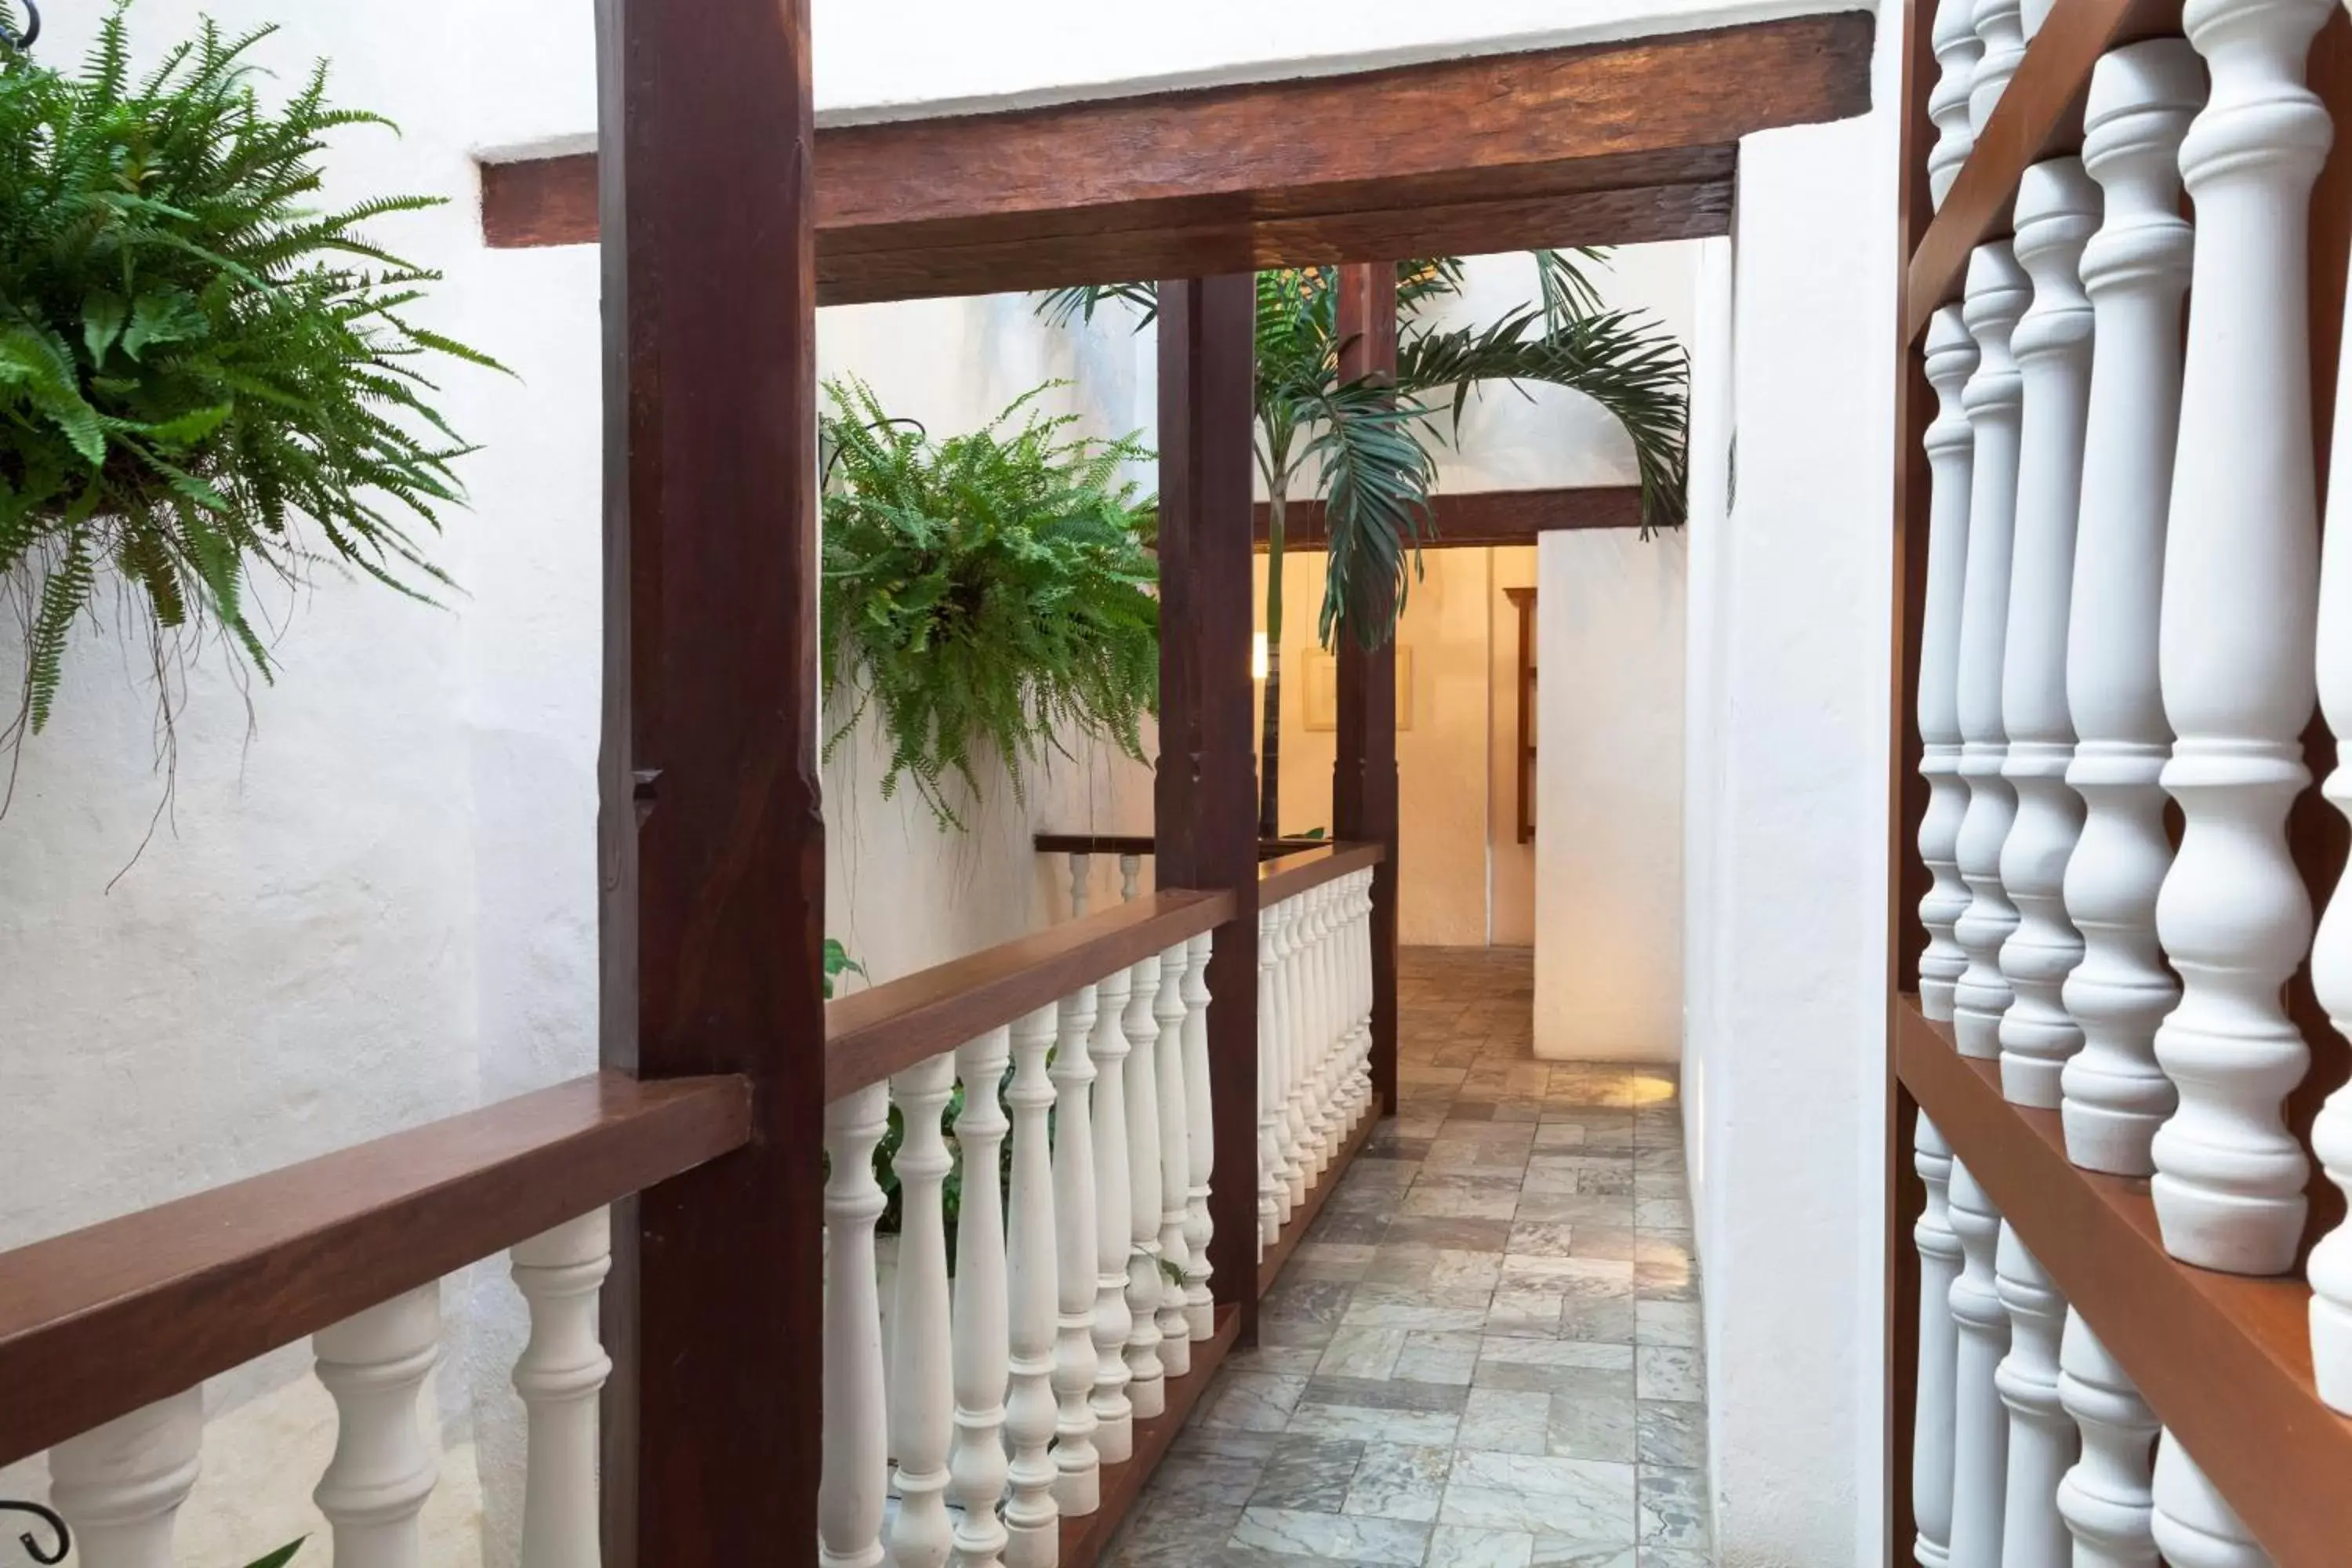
(1669, 1372)
(1254, 1402)
(1674, 1509)
(1670, 1434)
(1431, 1428)
(1505, 1420)
(1362, 1353)
(1385, 1394)
(1399, 1481)
(1307, 1474)
(1438, 1356)
(1566, 1551)
(1592, 1427)
(1334, 1537)
(1462, 1546)
(1666, 1323)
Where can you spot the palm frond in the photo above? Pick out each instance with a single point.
(1060, 307)
(1376, 474)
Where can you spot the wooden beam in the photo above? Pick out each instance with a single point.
(1599, 143)
(709, 835)
(1467, 518)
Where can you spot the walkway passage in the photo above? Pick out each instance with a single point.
(1485, 1354)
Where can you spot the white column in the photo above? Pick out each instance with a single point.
(1199, 1120)
(1081, 867)
(1931, 1433)
(855, 1478)
(2000, 28)
(2240, 581)
(922, 1382)
(2057, 208)
(1175, 1165)
(1273, 1181)
(1078, 1486)
(2136, 268)
(376, 1486)
(1031, 1521)
(2105, 1497)
(1957, 49)
(1997, 294)
(1979, 1423)
(2043, 1442)
(559, 1374)
(1131, 868)
(2194, 1525)
(1951, 455)
(1299, 1049)
(1114, 1225)
(120, 1486)
(977, 1463)
(1147, 1389)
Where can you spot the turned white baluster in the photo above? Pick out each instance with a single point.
(977, 1463)
(2043, 1442)
(1299, 1051)
(1273, 1183)
(1355, 945)
(374, 1363)
(2105, 1497)
(1147, 1389)
(1131, 868)
(2001, 27)
(922, 1349)
(2057, 208)
(1957, 49)
(1175, 1165)
(1114, 1225)
(1199, 1120)
(1996, 295)
(2136, 268)
(853, 1483)
(1031, 1521)
(1289, 1049)
(1314, 925)
(120, 1486)
(1078, 1486)
(1081, 868)
(1940, 1266)
(559, 1374)
(2194, 1526)
(2241, 573)
(1951, 458)
(1980, 1421)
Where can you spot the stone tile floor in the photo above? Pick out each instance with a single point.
(1484, 1355)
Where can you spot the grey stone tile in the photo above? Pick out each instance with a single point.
(1607, 1241)
(1296, 1333)
(1592, 1428)
(1671, 1433)
(1531, 1313)
(1312, 1474)
(1670, 1373)
(1603, 1320)
(1418, 1293)
(1311, 1301)
(1252, 1400)
(1559, 1132)
(1452, 1235)
(1428, 1428)
(1498, 1348)
(1662, 1214)
(1676, 1557)
(1398, 1481)
(1199, 1437)
(1588, 1278)
(1199, 1479)
(1335, 1536)
(1385, 1394)
(1410, 1315)
(1462, 1546)
(1506, 1421)
(1565, 1551)
(1172, 1533)
(1331, 1226)
(1539, 1238)
(1438, 1356)
(1666, 1281)
(1569, 1382)
(1341, 1261)
(1667, 1322)
(1362, 1353)
(1296, 1360)
(1674, 1509)
(1583, 1498)
(1466, 1271)
(1408, 1263)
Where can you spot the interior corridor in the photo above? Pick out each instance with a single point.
(1484, 1355)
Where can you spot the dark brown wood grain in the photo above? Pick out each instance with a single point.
(2040, 115)
(1465, 518)
(1302, 1219)
(710, 834)
(1144, 844)
(103, 1320)
(1086, 1536)
(2225, 1360)
(1523, 745)
(893, 1027)
(1289, 876)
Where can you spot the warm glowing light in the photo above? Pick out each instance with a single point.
(1259, 665)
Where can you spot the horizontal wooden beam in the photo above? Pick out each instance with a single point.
(1145, 844)
(101, 1322)
(1602, 143)
(2225, 1360)
(1467, 518)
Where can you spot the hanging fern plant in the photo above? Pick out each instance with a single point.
(204, 373)
(988, 593)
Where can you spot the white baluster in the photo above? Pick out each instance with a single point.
(376, 1486)
(559, 1374)
(1298, 1051)
(119, 1487)
(1273, 1183)
(1031, 1521)
(1979, 1422)
(2105, 1497)
(1114, 1225)
(977, 1463)
(1147, 1389)
(2001, 27)
(1078, 1486)
(1940, 1266)
(1131, 869)
(1175, 1165)
(1321, 1133)
(2043, 1442)
(1081, 868)
(2136, 269)
(2057, 208)
(2241, 576)
(854, 1484)
(1952, 454)
(1199, 1120)
(921, 1384)
(1996, 296)
(1362, 1011)
(1957, 49)
(2194, 1526)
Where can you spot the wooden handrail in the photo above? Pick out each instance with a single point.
(886, 1030)
(1144, 844)
(102, 1321)
(1295, 874)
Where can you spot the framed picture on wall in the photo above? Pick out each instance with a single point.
(1322, 689)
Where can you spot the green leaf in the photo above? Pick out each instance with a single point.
(102, 316)
(280, 1558)
(169, 317)
(190, 428)
(37, 362)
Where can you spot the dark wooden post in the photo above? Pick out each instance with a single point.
(1205, 805)
(710, 839)
(1364, 778)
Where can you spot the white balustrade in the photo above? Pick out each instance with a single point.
(1297, 1152)
(1980, 1421)
(1078, 1484)
(2042, 1441)
(1951, 451)
(2000, 28)
(1081, 868)
(1130, 870)
(1957, 49)
(1175, 1259)
(120, 1486)
(1146, 1388)
(1940, 1266)
(2236, 646)
(375, 1364)
(922, 1347)
(1274, 1180)
(1996, 295)
(852, 1489)
(1199, 1305)
(1114, 1225)
(2104, 1499)
(2135, 271)
(2194, 1527)
(978, 1468)
(1031, 1519)
(560, 1374)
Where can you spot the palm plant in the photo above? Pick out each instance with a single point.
(1369, 444)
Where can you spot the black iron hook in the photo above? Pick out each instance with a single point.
(24, 40)
(31, 1542)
